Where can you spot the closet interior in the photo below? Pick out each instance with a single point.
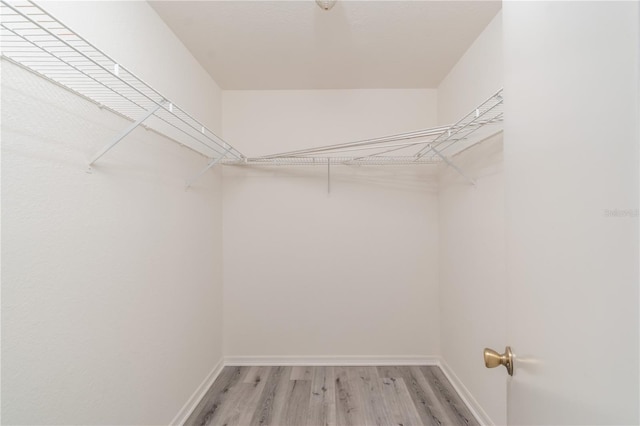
(182, 248)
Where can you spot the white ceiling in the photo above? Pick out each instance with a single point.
(357, 44)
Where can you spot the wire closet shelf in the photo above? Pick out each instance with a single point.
(428, 146)
(33, 39)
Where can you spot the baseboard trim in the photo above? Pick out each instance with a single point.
(473, 405)
(330, 360)
(197, 396)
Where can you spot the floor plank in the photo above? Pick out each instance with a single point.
(389, 371)
(322, 404)
(331, 396)
(301, 373)
(272, 399)
(367, 383)
(396, 397)
(229, 412)
(255, 374)
(252, 388)
(449, 399)
(296, 404)
(426, 404)
(212, 404)
(348, 408)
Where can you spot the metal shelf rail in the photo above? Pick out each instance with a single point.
(427, 146)
(435, 145)
(33, 39)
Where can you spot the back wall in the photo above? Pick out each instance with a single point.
(313, 273)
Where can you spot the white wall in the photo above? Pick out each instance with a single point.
(571, 157)
(307, 273)
(475, 77)
(472, 244)
(111, 281)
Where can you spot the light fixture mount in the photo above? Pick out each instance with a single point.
(326, 4)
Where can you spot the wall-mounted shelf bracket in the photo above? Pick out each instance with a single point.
(128, 130)
(209, 165)
(452, 165)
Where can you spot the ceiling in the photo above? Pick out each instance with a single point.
(297, 45)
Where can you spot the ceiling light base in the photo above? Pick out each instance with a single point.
(326, 4)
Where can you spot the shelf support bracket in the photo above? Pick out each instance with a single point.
(452, 165)
(203, 171)
(128, 130)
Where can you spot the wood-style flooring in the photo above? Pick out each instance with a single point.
(324, 396)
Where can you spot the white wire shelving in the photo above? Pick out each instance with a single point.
(33, 39)
(428, 146)
(435, 145)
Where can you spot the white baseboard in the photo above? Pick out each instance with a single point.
(330, 360)
(475, 408)
(197, 396)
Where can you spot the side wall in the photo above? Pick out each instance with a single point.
(309, 273)
(472, 243)
(111, 281)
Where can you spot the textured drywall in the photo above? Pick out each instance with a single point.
(111, 281)
(476, 76)
(472, 246)
(311, 273)
(473, 273)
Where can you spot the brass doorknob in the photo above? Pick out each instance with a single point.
(493, 359)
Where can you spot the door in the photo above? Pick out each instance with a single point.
(571, 171)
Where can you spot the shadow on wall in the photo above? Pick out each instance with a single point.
(418, 178)
(76, 129)
(478, 162)
(555, 404)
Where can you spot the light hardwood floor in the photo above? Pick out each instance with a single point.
(324, 396)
